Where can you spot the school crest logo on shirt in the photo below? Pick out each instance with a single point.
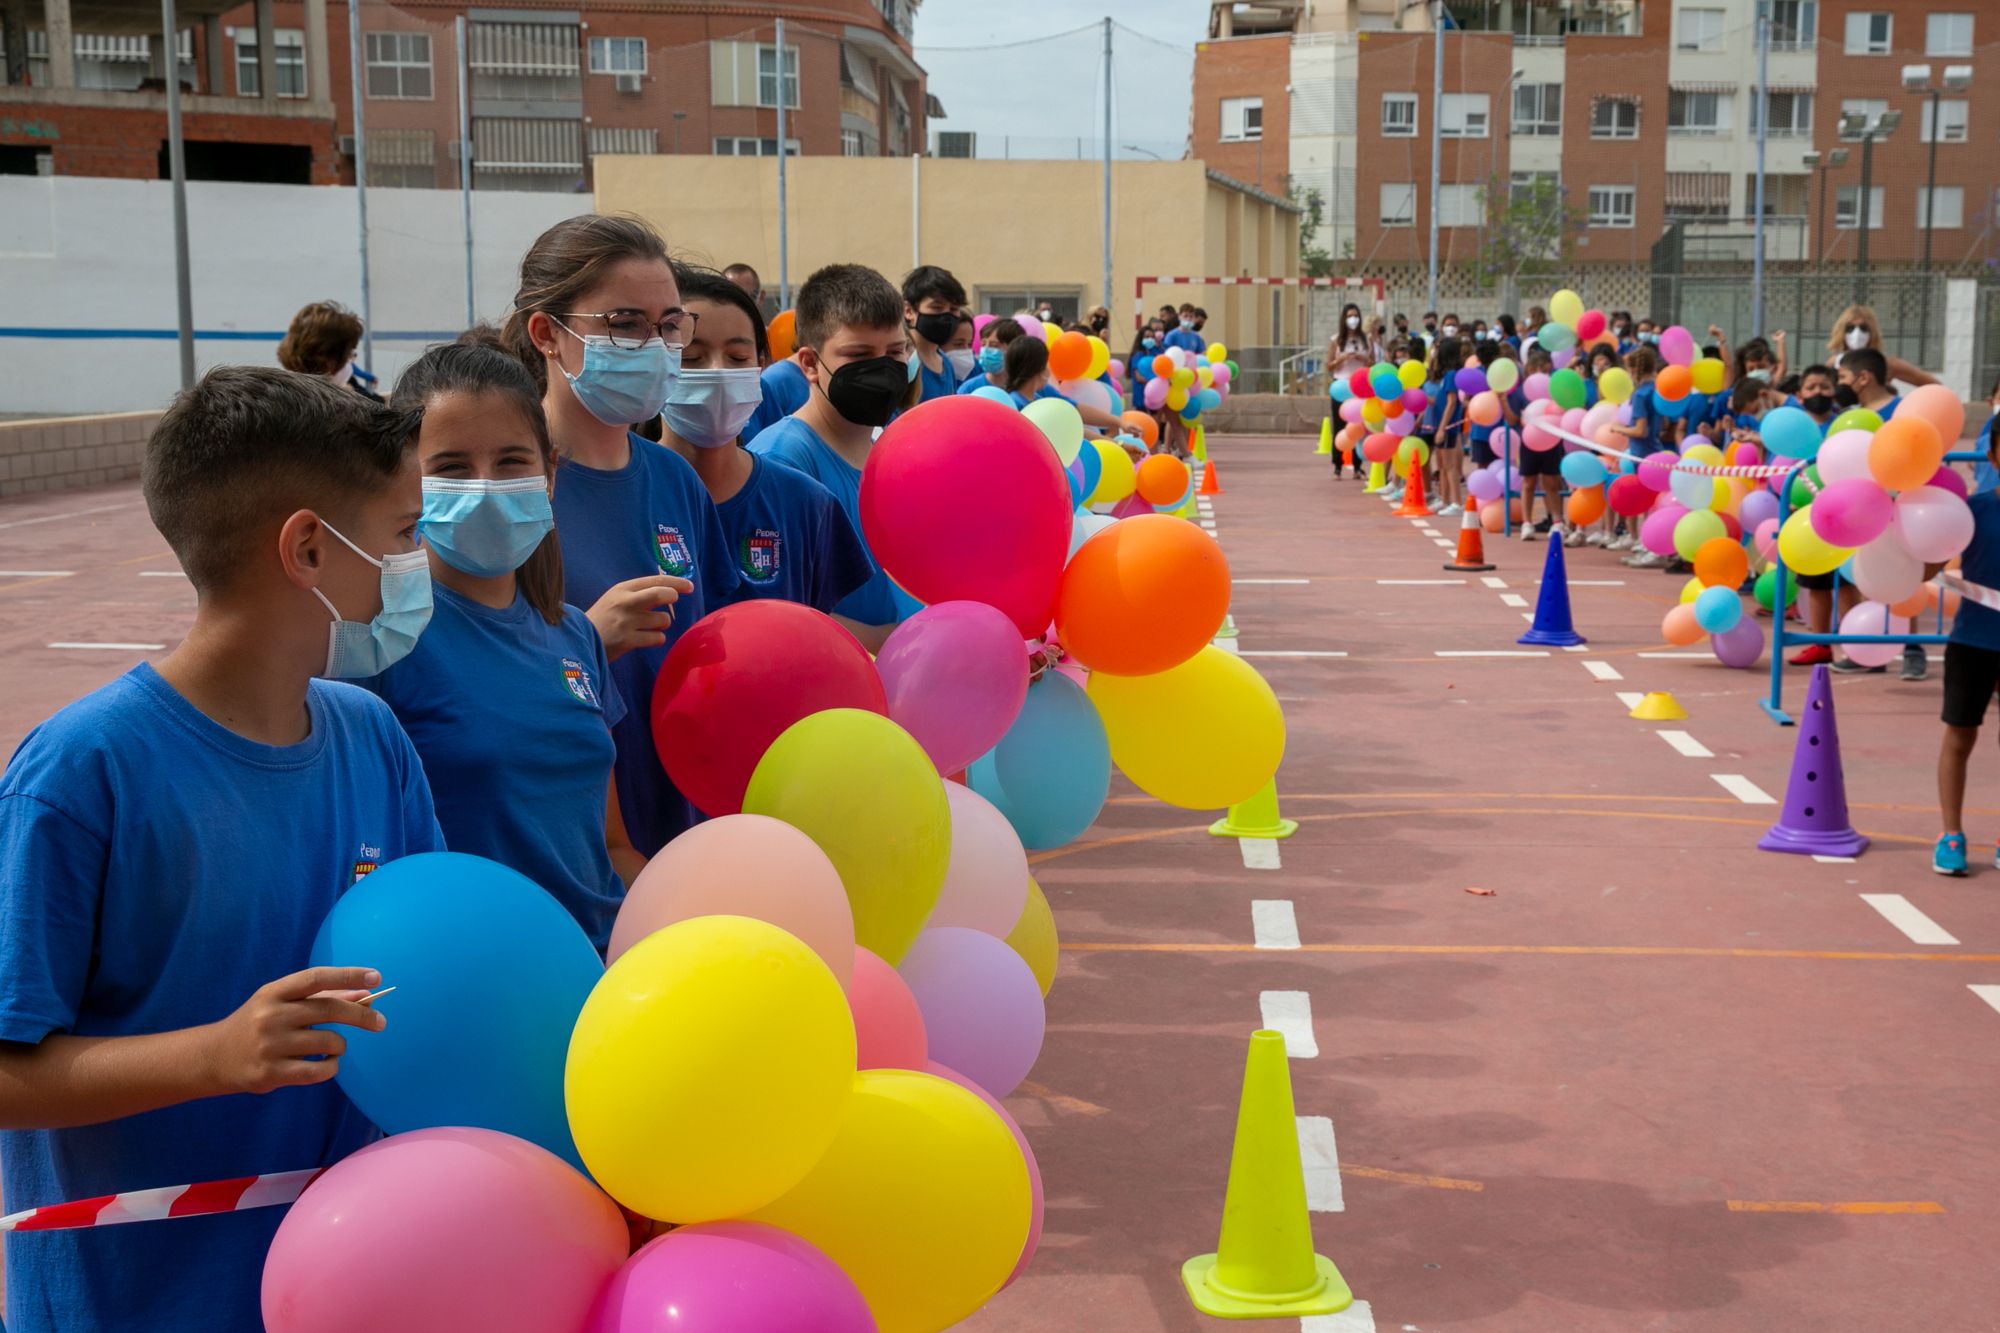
(758, 555)
(577, 678)
(671, 550)
(369, 860)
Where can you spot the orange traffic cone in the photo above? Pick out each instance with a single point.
(1471, 557)
(1209, 484)
(1413, 505)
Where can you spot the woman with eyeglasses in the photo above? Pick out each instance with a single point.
(598, 321)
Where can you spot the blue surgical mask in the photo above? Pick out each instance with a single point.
(991, 359)
(623, 386)
(485, 528)
(1761, 375)
(356, 648)
(1149, 342)
(709, 408)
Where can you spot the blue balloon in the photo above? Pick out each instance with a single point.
(1387, 386)
(490, 974)
(1342, 390)
(1093, 468)
(1674, 408)
(1210, 400)
(1582, 469)
(992, 393)
(1718, 609)
(1051, 772)
(1791, 432)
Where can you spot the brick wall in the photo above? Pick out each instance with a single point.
(1245, 67)
(70, 453)
(107, 141)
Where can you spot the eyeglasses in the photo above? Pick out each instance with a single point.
(628, 329)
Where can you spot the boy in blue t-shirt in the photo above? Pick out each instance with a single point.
(1971, 671)
(170, 843)
(932, 303)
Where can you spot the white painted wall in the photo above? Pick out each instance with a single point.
(96, 255)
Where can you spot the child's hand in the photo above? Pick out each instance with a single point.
(1715, 332)
(267, 1043)
(637, 612)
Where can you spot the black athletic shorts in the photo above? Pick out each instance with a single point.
(1971, 675)
(1540, 462)
(1817, 582)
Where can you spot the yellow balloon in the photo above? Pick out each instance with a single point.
(1034, 937)
(888, 834)
(1054, 331)
(1705, 454)
(1372, 412)
(1177, 397)
(1203, 735)
(1182, 378)
(709, 1069)
(1217, 353)
(1566, 307)
(1118, 476)
(1707, 375)
(1058, 419)
(1691, 589)
(1204, 377)
(1803, 550)
(1614, 385)
(1411, 374)
(1720, 500)
(923, 1200)
(1100, 358)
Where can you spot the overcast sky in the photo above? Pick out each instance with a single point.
(1037, 99)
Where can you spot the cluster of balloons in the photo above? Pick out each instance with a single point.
(1189, 383)
(1380, 405)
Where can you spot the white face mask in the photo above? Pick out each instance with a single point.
(1354, 321)
(1451, 330)
(962, 359)
(1857, 339)
(708, 408)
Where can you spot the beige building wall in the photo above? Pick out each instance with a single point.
(1000, 226)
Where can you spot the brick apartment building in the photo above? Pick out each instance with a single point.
(1642, 114)
(269, 87)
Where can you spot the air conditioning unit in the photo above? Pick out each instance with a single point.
(344, 145)
(626, 83)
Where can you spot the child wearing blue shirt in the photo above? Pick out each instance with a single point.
(932, 302)
(170, 843)
(1971, 671)
(991, 368)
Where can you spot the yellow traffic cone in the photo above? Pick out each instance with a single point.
(1325, 437)
(1199, 445)
(1378, 477)
(1257, 817)
(1659, 706)
(1264, 1266)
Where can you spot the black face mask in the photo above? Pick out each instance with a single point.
(1098, 322)
(936, 329)
(1819, 404)
(1845, 396)
(868, 392)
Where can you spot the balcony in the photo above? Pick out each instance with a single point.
(1548, 22)
(1253, 18)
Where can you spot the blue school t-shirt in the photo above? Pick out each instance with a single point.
(1187, 338)
(974, 383)
(512, 717)
(791, 540)
(939, 383)
(652, 516)
(1646, 414)
(798, 446)
(1974, 624)
(156, 869)
(785, 392)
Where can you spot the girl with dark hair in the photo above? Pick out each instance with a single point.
(1025, 373)
(507, 696)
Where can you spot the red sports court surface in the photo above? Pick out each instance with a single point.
(1656, 1080)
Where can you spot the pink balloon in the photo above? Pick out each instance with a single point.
(1350, 411)
(1931, 522)
(1767, 537)
(1656, 471)
(1534, 426)
(1873, 618)
(1572, 421)
(979, 323)
(1947, 478)
(443, 1228)
(1677, 346)
(1221, 374)
(1026, 319)
(955, 674)
(963, 500)
(1885, 572)
(1415, 400)
(1844, 456)
(1596, 418)
(1155, 395)
(1536, 387)
(888, 1026)
(1117, 369)
(1851, 513)
(1027, 1156)
(742, 865)
(986, 882)
(982, 1006)
(730, 1277)
(1656, 534)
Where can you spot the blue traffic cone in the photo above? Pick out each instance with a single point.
(1552, 627)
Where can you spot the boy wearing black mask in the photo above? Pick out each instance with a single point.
(861, 370)
(932, 298)
(1864, 382)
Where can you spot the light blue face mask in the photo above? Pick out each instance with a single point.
(485, 528)
(622, 386)
(358, 648)
(991, 359)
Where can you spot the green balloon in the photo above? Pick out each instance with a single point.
(1567, 388)
(1805, 485)
(1767, 590)
(1233, 371)
(1855, 418)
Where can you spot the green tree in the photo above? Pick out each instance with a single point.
(1530, 231)
(1313, 261)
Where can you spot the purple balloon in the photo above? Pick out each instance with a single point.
(1483, 486)
(1739, 646)
(1758, 506)
(981, 1004)
(1947, 479)
(1470, 380)
(730, 1277)
(955, 674)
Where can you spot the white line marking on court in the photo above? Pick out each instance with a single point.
(1491, 652)
(1321, 1160)
(1904, 915)
(1289, 1014)
(1988, 993)
(1528, 616)
(1274, 924)
(1834, 860)
(1686, 744)
(1445, 542)
(1420, 583)
(1680, 657)
(1630, 699)
(1272, 581)
(36, 573)
(1743, 789)
(1228, 646)
(1356, 1318)
(1602, 670)
(1428, 530)
(1512, 599)
(1287, 652)
(1594, 583)
(1420, 522)
(1259, 853)
(1492, 582)
(162, 573)
(74, 513)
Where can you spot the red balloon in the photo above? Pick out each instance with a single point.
(1732, 526)
(888, 1026)
(1630, 497)
(1589, 324)
(738, 678)
(1360, 383)
(963, 500)
(1379, 447)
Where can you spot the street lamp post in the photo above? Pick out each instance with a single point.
(1819, 164)
(1917, 79)
(1868, 130)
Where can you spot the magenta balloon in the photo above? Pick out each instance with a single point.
(1931, 523)
(1657, 470)
(1947, 478)
(981, 1004)
(963, 500)
(1739, 646)
(1155, 393)
(1851, 513)
(1415, 400)
(951, 1075)
(730, 1277)
(1677, 346)
(955, 674)
(1656, 534)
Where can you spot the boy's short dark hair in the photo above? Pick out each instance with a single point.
(1867, 361)
(1003, 330)
(249, 446)
(845, 296)
(928, 280)
(1811, 371)
(1744, 395)
(321, 340)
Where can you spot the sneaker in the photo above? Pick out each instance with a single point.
(1677, 566)
(1813, 654)
(1545, 525)
(1622, 542)
(1847, 666)
(1450, 511)
(1593, 539)
(1949, 856)
(1529, 534)
(1574, 538)
(1915, 665)
(1644, 559)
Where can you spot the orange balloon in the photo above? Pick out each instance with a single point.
(1484, 409)
(1937, 405)
(1143, 425)
(1489, 516)
(1585, 506)
(1164, 365)
(1674, 383)
(1905, 452)
(1069, 356)
(1916, 603)
(782, 334)
(1145, 594)
(1680, 628)
(1163, 479)
(1721, 562)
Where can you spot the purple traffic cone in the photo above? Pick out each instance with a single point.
(1552, 626)
(1815, 819)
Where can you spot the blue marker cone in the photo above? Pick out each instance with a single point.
(1552, 627)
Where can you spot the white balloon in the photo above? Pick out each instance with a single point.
(1084, 526)
(1932, 523)
(1873, 618)
(1844, 457)
(1885, 572)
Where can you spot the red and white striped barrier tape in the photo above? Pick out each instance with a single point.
(197, 1200)
(1759, 471)
(1972, 592)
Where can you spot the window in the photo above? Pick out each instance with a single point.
(1242, 118)
(1698, 113)
(1538, 108)
(1869, 34)
(850, 145)
(1701, 30)
(399, 65)
(1612, 205)
(747, 147)
(1948, 35)
(1399, 115)
(1869, 109)
(1848, 198)
(1951, 115)
(290, 49)
(1461, 206)
(402, 159)
(767, 78)
(1465, 115)
(1531, 185)
(1399, 204)
(1794, 24)
(1791, 115)
(611, 140)
(1614, 118)
(1697, 196)
(1950, 205)
(617, 55)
